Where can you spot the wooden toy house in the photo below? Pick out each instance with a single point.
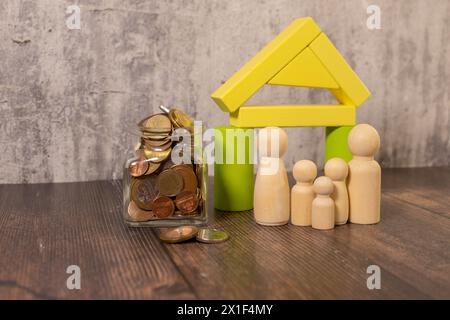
(303, 56)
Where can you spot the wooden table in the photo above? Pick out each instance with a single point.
(44, 228)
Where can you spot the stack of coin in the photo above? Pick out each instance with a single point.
(160, 189)
(156, 138)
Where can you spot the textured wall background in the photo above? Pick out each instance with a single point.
(69, 98)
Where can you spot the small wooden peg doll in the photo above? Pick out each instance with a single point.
(323, 206)
(337, 170)
(302, 194)
(364, 181)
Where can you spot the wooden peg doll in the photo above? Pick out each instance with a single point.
(323, 206)
(364, 181)
(337, 170)
(302, 194)
(271, 205)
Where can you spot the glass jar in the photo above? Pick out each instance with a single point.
(163, 188)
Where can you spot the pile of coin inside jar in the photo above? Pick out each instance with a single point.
(160, 189)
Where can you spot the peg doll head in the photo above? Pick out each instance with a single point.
(336, 169)
(272, 142)
(363, 141)
(305, 171)
(323, 186)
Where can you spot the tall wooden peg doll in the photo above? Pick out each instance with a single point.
(364, 181)
(271, 205)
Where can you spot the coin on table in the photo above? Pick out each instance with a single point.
(163, 207)
(143, 192)
(157, 156)
(137, 214)
(138, 167)
(189, 177)
(211, 236)
(186, 202)
(156, 122)
(179, 234)
(169, 183)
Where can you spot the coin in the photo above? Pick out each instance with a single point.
(138, 167)
(155, 131)
(163, 207)
(158, 148)
(155, 143)
(156, 137)
(180, 119)
(169, 183)
(156, 122)
(152, 167)
(143, 192)
(138, 214)
(179, 234)
(211, 236)
(189, 177)
(186, 201)
(157, 156)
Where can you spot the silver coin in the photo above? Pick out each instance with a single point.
(211, 236)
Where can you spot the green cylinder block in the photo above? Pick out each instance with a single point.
(336, 143)
(233, 168)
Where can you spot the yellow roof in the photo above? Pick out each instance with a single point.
(301, 55)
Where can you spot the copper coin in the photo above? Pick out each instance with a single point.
(179, 234)
(189, 177)
(169, 183)
(143, 192)
(138, 167)
(186, 201)
(132, 181)
(163, 207)
(137, 214)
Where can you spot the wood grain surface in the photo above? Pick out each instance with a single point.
(44, 228)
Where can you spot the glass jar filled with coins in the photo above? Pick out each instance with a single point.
(165, 182)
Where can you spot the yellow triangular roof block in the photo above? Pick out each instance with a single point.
(305, 70)
(301, 55)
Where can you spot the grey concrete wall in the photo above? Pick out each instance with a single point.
(69, 98)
